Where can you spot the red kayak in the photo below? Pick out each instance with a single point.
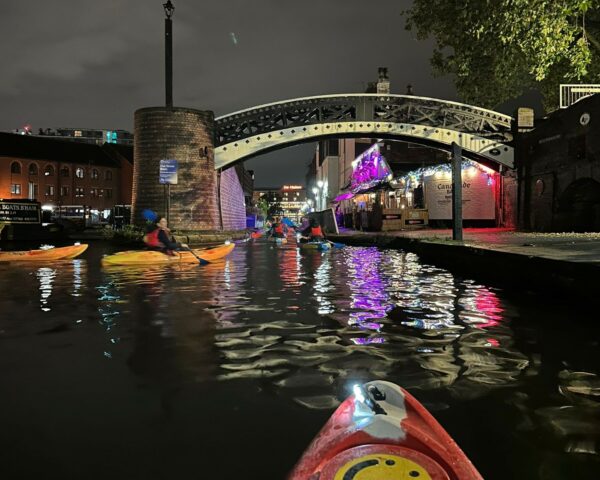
(256, 235)
(382, 432)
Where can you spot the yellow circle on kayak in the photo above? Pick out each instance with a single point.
(382, 467)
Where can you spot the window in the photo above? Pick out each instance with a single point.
(49, 190)
(100, 192)
(79, 192)
(65, 172)
(108, 175)
(33, 191)
(15, 189)
(77, 133)
(93, 192)
(15, 168)
(108, 192)
(33, 169)
(79, 172)
(95, 174)
(64, 191)
(49, 171)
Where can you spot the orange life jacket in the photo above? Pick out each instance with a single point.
(316, 232)
(278, 228)
(151, 239)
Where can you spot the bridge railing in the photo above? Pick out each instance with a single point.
(406, 109)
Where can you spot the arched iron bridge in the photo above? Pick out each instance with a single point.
(484, 135)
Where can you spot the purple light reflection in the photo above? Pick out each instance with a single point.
(369, 295)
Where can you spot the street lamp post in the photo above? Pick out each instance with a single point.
(169, 9)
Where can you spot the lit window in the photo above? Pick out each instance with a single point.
(15, 189)
(49, 190)
(79, 173)
(93, 192)
(64, 191)
(79, 192)
(49, 171)
(95, 174)
(77, 133)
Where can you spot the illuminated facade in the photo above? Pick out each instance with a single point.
(292, 199)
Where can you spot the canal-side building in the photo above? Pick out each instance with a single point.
(559, 170)
(292, 199)
(61, 174)
(94, 136)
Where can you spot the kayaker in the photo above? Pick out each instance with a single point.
(314, 232)
(160, 238)
(278, 229)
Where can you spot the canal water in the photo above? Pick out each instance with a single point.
(229, 370)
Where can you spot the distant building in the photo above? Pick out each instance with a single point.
(82, 135)
(60, 173)
(292, 199)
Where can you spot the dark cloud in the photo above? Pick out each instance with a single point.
(91, 64)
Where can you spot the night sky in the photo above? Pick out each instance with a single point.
(91, 64)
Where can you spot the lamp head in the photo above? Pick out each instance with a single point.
(169, 8)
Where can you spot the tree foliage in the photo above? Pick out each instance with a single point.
(497, 49)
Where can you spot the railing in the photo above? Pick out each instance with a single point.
(571, 93)
(405, 109)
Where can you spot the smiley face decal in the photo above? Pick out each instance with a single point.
(382, 467)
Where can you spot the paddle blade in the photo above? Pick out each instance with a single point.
(337, 245)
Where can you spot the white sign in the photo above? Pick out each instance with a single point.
(477, 191)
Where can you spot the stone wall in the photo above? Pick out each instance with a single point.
(559, 170)
(186, 135)
(233, 209)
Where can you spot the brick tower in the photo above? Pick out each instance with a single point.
(186, 135)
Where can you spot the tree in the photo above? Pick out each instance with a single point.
(498, 49)
(270, 205)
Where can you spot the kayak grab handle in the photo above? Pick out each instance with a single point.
(369, 398)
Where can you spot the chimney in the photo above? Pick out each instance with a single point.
(383, 82)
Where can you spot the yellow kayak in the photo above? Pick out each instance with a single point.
(44, 255)
(145, 257)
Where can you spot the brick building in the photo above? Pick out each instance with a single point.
(559, 170)
(58, 173)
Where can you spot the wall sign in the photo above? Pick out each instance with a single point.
(477, 192)
(15, 212)
(168, 172)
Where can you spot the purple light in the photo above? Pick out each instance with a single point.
(369, 169)
(343, 196)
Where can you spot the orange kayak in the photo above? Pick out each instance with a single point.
(383, 432)
(145, 257)
(256, 234)
(44, 255)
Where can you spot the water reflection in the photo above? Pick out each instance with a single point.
(46, 276)
(418, 326)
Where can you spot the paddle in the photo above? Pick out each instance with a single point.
(201, 261)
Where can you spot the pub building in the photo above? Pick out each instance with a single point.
(380, 199)
(69, 179)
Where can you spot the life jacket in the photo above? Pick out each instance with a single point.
(151, 239)
(278, 228)
(316, 232)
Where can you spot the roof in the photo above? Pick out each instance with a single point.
(52, 149)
